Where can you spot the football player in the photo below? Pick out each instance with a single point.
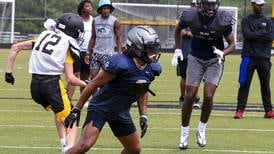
(205, 62)
(124, 79)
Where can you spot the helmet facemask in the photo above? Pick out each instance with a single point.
(208, 7)
(143, 43)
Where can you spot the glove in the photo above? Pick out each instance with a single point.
(73, 116)
(143, 125)
(9, 78)
(219, 53)
(177, 56)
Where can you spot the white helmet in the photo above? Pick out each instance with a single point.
(143, 41)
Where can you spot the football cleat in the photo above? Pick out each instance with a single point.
(181, 101)
(196, 104)
(201, 139)
(269, 115)
(238, 114)
(183, 142)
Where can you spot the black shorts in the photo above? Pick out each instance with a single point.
(80, 65)
(118, 128)
(49, 91)
(181, 68)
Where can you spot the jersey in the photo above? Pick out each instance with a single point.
(115, 98)
(105, 37)
(50, 52)
(87, 34)
(207, 34)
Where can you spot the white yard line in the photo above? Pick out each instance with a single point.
(153, 128)
(144, 149)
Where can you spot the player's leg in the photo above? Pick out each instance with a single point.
(193, 78)
(127, 135)
(91, 129)
(181, 71)
(84, 68)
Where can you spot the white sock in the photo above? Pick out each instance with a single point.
(184, 131)
(63, 142)
(201, 126)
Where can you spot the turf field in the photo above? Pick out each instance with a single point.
(26, 128)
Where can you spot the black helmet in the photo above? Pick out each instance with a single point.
(208, 7)
(143, 41)
(71, 24)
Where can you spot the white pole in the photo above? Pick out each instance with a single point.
(12, 22)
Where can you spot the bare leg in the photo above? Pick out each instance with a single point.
(209, 91)
(131, 144)
(87, 140)
(187, 108)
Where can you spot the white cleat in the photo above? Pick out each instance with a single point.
(201, 139)
(183, 142)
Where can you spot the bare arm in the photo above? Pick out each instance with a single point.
(71, 78)
(92, 39)
(117, 32)
(231, 44)
(142, 104)
(100, 79)
(177, 36)
(14, 50)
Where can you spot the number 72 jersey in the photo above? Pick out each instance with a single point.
(50, 51)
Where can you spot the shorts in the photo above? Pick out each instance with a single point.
(98, 60)
(118, 128)
(49, 91)
(210, 71)
(80, 65)
(181, 68)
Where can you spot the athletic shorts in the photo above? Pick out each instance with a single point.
(181, 68)
(49, 91)
(98, 60)
(118, 128)
(209, 70)
(80, 65)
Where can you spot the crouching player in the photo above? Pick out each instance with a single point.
(123, 80)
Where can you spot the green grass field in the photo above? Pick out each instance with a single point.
(26, 128)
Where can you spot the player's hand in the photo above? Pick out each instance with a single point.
(143, 125)
(72, 117)
(219, 53)
(9, 78)
(177, 56)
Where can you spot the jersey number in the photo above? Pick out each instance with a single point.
(53, 43)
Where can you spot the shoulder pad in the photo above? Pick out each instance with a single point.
(188, 14)
(225, 18)
(117, 63)
(156, 68)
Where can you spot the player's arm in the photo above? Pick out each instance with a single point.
(102, 78)
(70, 77)
(14, 50)
(91, 43)
(117, 32)
(177, 35)
(142, 106)
(231, 43)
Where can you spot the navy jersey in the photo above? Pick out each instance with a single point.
(115, 98)
(206, 35)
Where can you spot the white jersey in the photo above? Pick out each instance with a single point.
(87, 34)
(49, 53)
(105, 38)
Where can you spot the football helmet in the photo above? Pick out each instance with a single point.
(103, 3)
(143, 42)
(71, 24)
(208, 7)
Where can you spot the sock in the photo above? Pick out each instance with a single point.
(201, 126)
(184, 130)
(63, 142)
